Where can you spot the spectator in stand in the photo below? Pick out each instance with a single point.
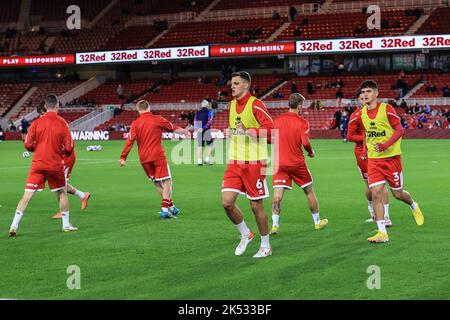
(437, 123)
(445, 91)
(297, 32)
(277, 95)
(276, 15)
(343, 127)
(337, 119)
(1, 134)
(403, 105)
(294, 87)
(12, 127)
(120, 92)
(292, 13)
(310, 88)
(339, 96)
(430, 87)
(427, 109)
(417, 109)
(403, 122)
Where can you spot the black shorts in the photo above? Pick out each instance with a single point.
(204, 137)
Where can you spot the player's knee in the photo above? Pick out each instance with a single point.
(398, 194)
(227, 205)
(256, 206)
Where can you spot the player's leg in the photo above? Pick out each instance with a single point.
(200, 142)
(255, 184)
(57, 184)
(387, 218)
(35, 182)
(232, 186)
(83, 196)
(368, 194)
(199, 155)
(159, 187)
(313, 205)
(281, 181)
(377, 183)
(22, 205)
(276, 209)
(209, 142)
(235, 215)
(378, 208)
(163, 175)
(394, 176)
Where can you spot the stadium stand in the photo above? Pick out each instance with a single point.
(10, 93)
(437, 23)
(50, 10)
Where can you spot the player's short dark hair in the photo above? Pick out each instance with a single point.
(296, 100)
(51, 101)
(143, 105)
(243, 74)
(368, 84)
(41, 109)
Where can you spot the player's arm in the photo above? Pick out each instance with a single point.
(128, 145)
(355, 120)
(30, 138)
(210, 118)
(67, 141)
(396, 124)
(265, 120)
(169, 126)
(305, 139)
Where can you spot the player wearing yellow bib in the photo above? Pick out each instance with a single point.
(249, 129)
(383, 132)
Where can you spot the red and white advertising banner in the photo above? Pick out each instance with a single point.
(142, 55)
(252, 49)
(374, 44)
(37, 60)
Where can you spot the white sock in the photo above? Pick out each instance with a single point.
(165, 209)
(199, 161)
(207, 159)
(65, 219)
(316, 218)
(370, 207)
(386, 211)
(243, 229)
(381, 226)
(265, 242)
(414, 205)
(17, 216)
(275, 219)
(79, 194)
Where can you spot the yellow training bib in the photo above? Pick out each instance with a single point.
(379, 130)
(244, 147)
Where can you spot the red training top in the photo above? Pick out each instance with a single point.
(147, 130)
(50, 139)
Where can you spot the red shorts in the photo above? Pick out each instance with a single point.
(284, 176)
(36, 180)
(385, 170)
(68, 166)
(362, 164)
(249, 178)
(157, 170)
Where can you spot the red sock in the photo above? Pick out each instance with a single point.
(165, 203)
(170, 203)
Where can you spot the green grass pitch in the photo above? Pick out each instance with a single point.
(125, 251)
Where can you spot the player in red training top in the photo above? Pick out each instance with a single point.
(355, 134)
(50, 140)
(292, 130)
(249, 130)
(147, 130)
(382, 147)
(69, 162)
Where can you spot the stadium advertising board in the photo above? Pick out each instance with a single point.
(374, 44)
(90, 135)
(59, 59)
(121, 56)
(252, 49)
